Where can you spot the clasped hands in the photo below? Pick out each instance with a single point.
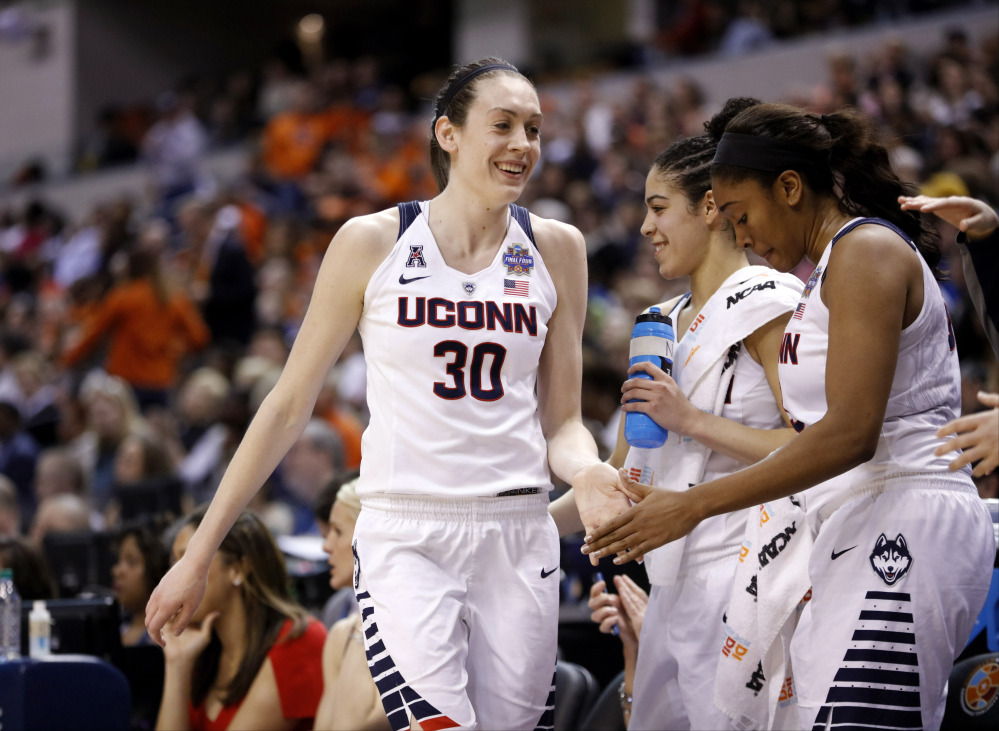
(624, 517)
(627, 519)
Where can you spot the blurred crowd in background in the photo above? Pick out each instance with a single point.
(137, 342)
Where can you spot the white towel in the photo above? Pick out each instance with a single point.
(702, 367)
(754, 684)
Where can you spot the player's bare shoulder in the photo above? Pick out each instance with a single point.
(561, 245)
(360, 246)
(553, 234)
(897, 260)
(369, 237)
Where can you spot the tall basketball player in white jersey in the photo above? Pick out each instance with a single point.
(471, 314)
(903, 548)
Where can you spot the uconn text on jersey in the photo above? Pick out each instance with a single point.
(468, 314)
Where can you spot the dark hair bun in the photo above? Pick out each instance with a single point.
(715, 126)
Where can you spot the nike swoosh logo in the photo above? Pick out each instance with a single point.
(837, 555)
(546, 574)
(403, 280)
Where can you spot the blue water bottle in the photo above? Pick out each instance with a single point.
(652, 340)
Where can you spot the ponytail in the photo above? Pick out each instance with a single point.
(868, 186)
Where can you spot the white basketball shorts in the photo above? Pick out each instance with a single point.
(898, 578)
(678, 652)
(459, 601)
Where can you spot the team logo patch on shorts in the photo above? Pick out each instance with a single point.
(980, 690)
(890, 559)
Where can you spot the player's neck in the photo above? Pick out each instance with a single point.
(466, 227)
(826, 220)
(722, 261)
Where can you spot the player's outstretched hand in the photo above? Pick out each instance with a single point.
(977, 434)
(974, 217)
(599, 496)
(657, 517)
(175, 599)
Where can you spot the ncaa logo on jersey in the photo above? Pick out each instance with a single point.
(518, 260)
(890, 559)
(416, 256)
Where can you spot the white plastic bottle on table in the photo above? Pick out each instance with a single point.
(39, 630)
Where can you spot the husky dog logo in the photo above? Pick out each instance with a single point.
(890, 559)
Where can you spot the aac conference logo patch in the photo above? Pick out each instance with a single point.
(980, 690)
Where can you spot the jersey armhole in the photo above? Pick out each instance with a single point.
(523, 217)
(408, 212)
(877, 221)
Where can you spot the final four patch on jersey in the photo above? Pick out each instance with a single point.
(812, 281)
(518, 260)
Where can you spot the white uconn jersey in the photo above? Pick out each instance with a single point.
(452, 367)
(925, 391)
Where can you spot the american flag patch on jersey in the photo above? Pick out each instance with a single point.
(798, 311)
(514, 287)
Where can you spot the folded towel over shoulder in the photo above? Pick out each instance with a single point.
(703, 363)
(754, 684)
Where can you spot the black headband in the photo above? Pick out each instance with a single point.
(457, 86)
(767, 154)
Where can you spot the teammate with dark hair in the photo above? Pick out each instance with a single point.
(868, 373)
(721, 409)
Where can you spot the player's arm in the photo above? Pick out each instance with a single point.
(738, 441)
(572, 451)
(866, 306)
(663, 400)
(333, 314)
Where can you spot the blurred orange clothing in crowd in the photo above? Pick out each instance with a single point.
(346, 124)
(292, 143)
(252, 226)
(349, 429)
(147, 338)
